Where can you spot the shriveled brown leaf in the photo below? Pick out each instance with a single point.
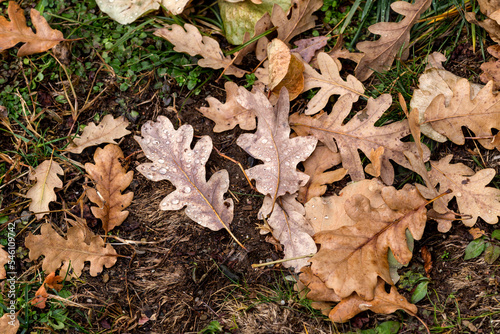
(107, 131)
(4, 259)
(375, 166)
(52, 281)
(300, 20)
(9, 324)
(427, 257)
(271, 143)
(359, 133)
(290, 227)
(382, 303)
(380, 54)
(42, 192)
(470, 189)
(175, 161)
(70, 252)
(492, 68)
(476, 232)
(188, 39)
(315, 166)
(16, 31)
(227, 115)
(480, 114)
(351, 258)
(110, 179)
(307, 47)
(285, 69)
(329, 82)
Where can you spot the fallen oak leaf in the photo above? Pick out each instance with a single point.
(174, 160)
(307, 47)
(71, 252)
(52, 282)
(9, 325)
(271, 143)
(16, 31)
(42, 193)
(490, 24)
(111, 180)
(380, 54)
(318, 291)
(107, 131)
(491, 69)
(285, 69)
(188, 39)
(301, 18)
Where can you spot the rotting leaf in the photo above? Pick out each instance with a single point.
(174, 160)
(301, 18)
(360, 133)
(111, 179)
(491, 253)
(380, 54)
(307, 47)
(271, 143)
(16, 31)
(470, 190)
(42, 192)
(351, 258)
(71, 252)
(52, 281)
(226, 116)
(329, 82)
(188, 39)
(107, 131)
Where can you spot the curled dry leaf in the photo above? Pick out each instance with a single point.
(307, 47)
(52, 282)
(106, 132)
(480, 114)
(4, 259)
(329, 82)
(315, 166)
(301, 18)
(189, 40)
(70, 252)
(111, 179)
(285, 69)
(375, 166)
(492, 68)
(290, 227)
(487, 7)
(491, 24)
(226, 116)
(42, 193)
(318, 291)
(470, 190)
(9, 323)
(16, 31)
(427, 257)
(360, 133)
(174, 160)
(271, 143)
(380, 54)
(351, 258)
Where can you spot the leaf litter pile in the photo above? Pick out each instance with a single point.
(315, 172)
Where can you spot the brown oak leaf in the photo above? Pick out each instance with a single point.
(71, 252)
(51, 282)
(315, 166)
(492, 68)
(491, 24)
(307, 47)
(9, 324)
(111, 179)
(318, 291)
(4, 259)
(16, 31)
(271, 144)
(226, 116)
(351, 258)
(42, 193)
(380, 54)
(330, 83)
(480, 114)
(359, 133)
(301, 18)
(470, 189)
(188, 39)
(107, 131)
(174, 160)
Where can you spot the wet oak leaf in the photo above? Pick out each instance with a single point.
(301, 18)
(8, 325)
(359, 133)
(285, 69)
(227, 115)
(110, 179)
(175, 161)
(380, 54)
(188, 39)
(42, 192)
(316, 167)
(470, 189)
(351, 258)
(16, 31)
(71, 252)
(107, 131)
(330, 83)
(271, 144)
(307, 47)
(480, 114)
